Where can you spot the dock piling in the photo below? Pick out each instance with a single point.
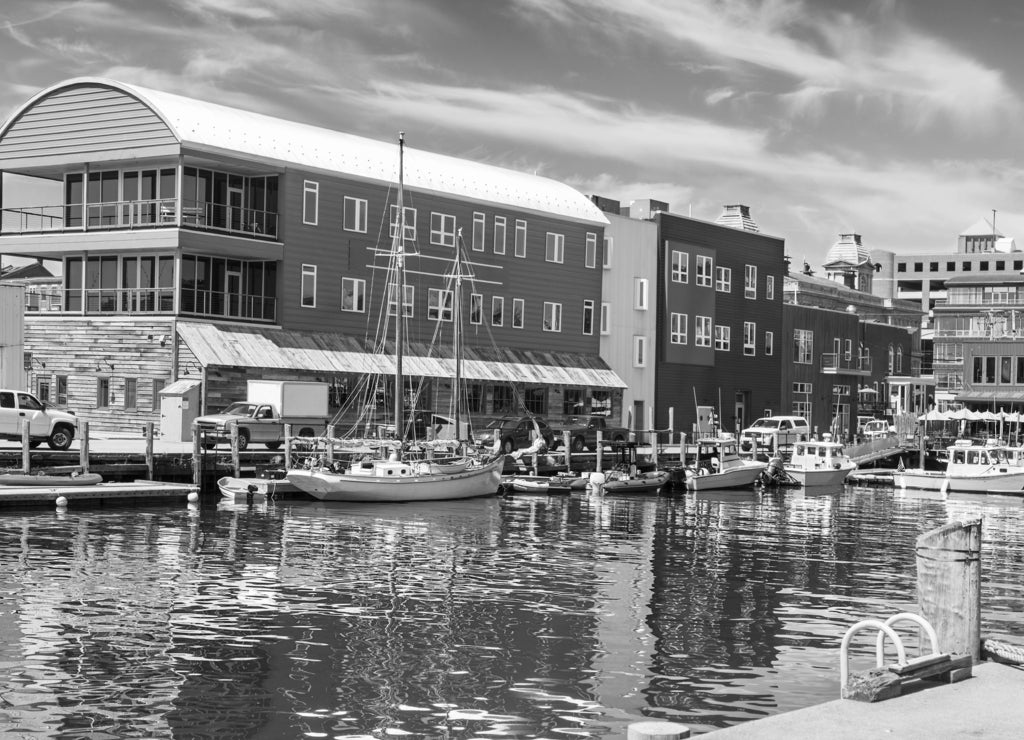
(149, 450)
(83, 446)
(26, 455)
(197, 455)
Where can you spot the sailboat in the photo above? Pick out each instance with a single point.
(396, 477)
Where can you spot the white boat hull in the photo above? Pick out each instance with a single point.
(935, 480)
(811, 477)
(740, 476)
(242, 488)
(327, 485)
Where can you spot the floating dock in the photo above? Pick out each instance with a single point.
(121, 492)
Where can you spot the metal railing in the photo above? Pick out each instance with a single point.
(214, 304)
(139, 214)
(837, 362)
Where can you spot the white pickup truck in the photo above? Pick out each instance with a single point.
(45, 424)
(269, 405)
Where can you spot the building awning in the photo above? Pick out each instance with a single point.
(996, 395)
(270, 348)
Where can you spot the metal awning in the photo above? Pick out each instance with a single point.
(271, 348)
(988, 396)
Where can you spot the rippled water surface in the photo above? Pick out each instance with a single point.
(522, 617)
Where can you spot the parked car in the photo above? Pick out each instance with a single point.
(45, 423)
(583, 432)
(772, 432)
(515, 432)
(877, 428)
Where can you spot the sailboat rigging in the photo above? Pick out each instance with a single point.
(396, 477)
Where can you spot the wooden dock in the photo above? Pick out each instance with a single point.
(100, 493)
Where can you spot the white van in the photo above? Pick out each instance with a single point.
(770, 433)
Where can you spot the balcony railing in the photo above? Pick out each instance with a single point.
(833, 362)
(209, 303)
(139, 214)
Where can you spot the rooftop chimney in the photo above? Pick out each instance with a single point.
(607, 205)
(737, 217)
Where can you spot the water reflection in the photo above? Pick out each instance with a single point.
(522, 617)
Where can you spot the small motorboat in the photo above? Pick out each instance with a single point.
(529, 484)
(717, 465)
(52, 481)
(820, 463)
(241, 489)
(648, 482)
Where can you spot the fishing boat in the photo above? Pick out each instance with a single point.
(821, 462)
(716, 464)
(59, 481)
(245, 488)
(971, 468)
(397, 476)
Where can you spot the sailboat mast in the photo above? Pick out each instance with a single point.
(398, 245)
(457, 340)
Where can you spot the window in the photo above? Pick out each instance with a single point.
(410, 222)
(355, 214)
(518, 309)
(802, 399)
(102, 392)
(353, 295)
(308, 299)
(154, 399)
(723, 279)
(442, 229)
(899, 361)
(704, 265)
(479, 231)
(609, 244)
(606, 312)
(677, 328)
(62, 390)
(919, 267)
(984, 370)
(476, 308)
(933, 267)
(848, 351)
(951, 267)
(590, 253)
(554, 250)
(572, 402)
(803, 346)
(520, 238)
(439, 304)
(43, 389)
(552, 316)
(640, 294)
(901, 267)
(750, 281)
(892, 359)
(499, 235)
(749, 338)
(310, 202)
(639, 351)
(536, 400)
(680, 267)
(502, 401)
(723, 338)
(983, 265)
(769, 288)
(769, 343)
(131, 393)
(407, 304)
(497, 311)
(702, 331)
(588, 317)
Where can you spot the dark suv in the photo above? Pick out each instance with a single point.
(515, 432)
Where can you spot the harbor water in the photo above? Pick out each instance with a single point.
(528, 616)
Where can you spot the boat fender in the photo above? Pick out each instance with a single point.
(702, 471)
(423, 468)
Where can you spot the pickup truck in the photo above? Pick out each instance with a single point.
(262, 416)
(583, 432)
(45, 424)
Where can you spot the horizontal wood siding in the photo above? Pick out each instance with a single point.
(684, 373)
(82, 124)
(337, 253)
(87, 349)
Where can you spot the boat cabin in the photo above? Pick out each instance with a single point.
(971, 454)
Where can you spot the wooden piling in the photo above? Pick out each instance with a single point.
(149, 450)
(657, 731)
(600, 448)
(949, 585)
(567, 445)
(236, 462)
(83, 446)
(197, 455)
(287, 446)
(26, 448)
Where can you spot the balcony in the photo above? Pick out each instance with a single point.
(139, 214)
(833, 363)
(134, 301)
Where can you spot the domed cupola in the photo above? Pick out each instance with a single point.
(849, 262)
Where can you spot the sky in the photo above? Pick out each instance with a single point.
(897, 120)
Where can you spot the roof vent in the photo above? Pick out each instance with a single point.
(737, 217)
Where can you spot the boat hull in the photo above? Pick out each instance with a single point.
(243, 488)
(933, 480)
(646, 483)
(327, 485)
(811, 477)
(734, 477)
(58, 481)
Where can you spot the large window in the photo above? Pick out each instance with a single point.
(749, 338)
(476, 308)
(769, 343)
(639, 351)
(640, 294)
(590, 251)
(680, 267)
(802, 399)
(769, 288)
(409, 219)
(803, 346)
(442, 229)
(310, 202)
(520, 238)
(502, 399)
(353, 294)
(984, 370)
(308, 299)
(554, 247)
(723, 279)
(750, 281)
(518, 311)
(499, 235)
(704, 271)
(702, 331)
(723, 338)
(355, 214)
(439, 304)
(408, 304)
(677, 328)
(131, 393)
(536, 400)
(226, 287)
(572, 402)
(497, 311)
(479, 231)
(102, 392)
(588, 317)
(552, 316)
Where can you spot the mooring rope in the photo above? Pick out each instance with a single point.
(1002, 652)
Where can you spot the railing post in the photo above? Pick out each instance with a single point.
(83, 446)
